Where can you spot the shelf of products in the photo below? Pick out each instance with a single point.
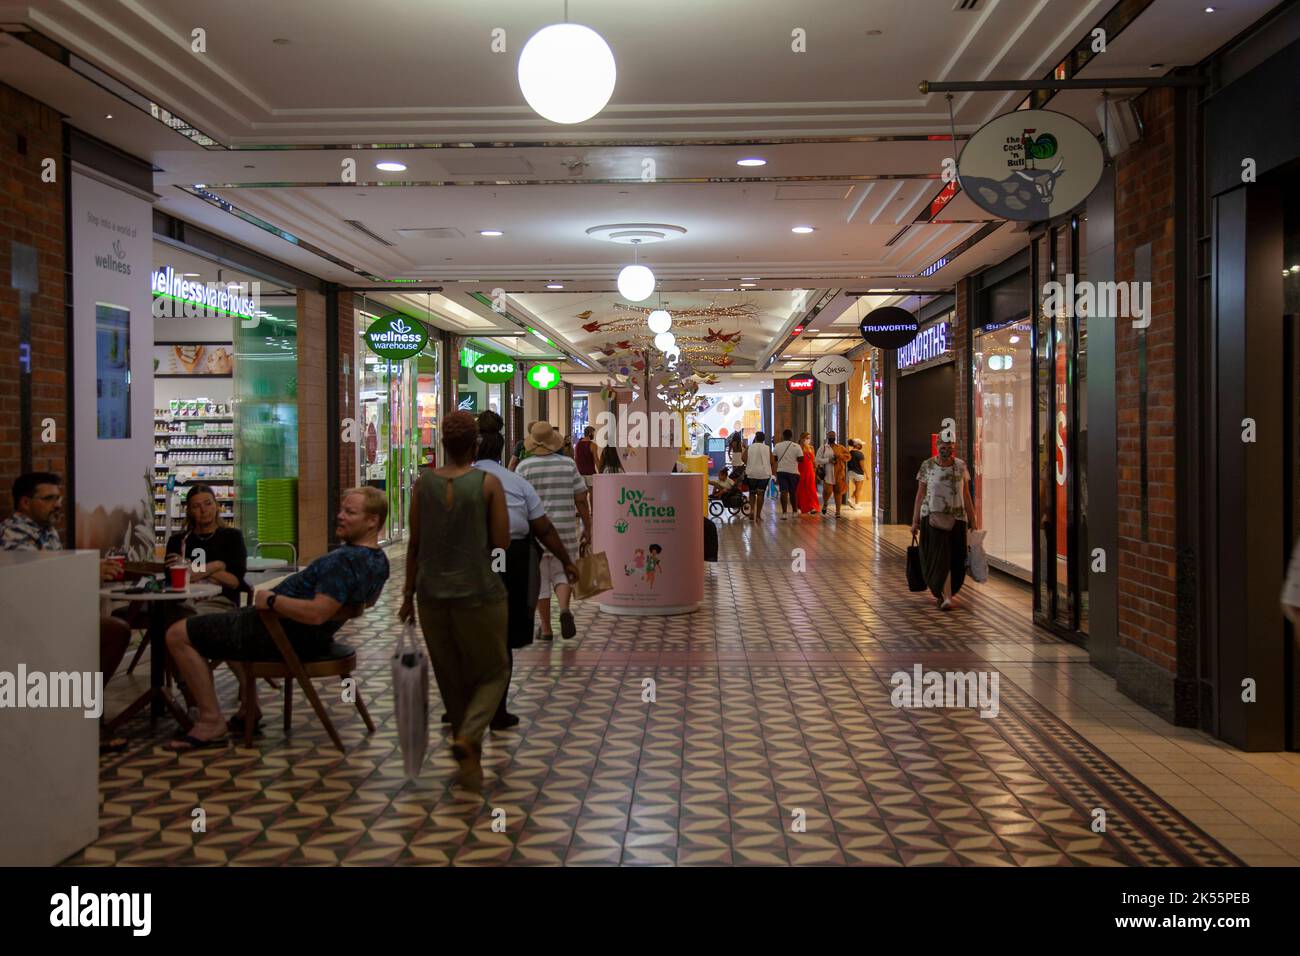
(194, 443)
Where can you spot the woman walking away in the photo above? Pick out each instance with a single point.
(758, 472)
(736, 453)
(458, 516)
(857, 472)
(941, 514)
(610, 464)
(806, 502)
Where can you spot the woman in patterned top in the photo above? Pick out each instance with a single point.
(940, 516)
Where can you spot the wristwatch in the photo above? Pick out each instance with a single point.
(270, 601)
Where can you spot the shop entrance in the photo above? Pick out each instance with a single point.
(925, 399)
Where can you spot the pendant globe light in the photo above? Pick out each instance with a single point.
(567, 72)
(636, 282)
(659, 321)
(665, 341)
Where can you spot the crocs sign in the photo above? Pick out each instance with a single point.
(494, 368)
(396, 337)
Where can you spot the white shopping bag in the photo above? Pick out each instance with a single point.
(976, 560)
(411, 699)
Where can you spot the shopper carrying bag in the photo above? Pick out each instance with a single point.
(593, 574)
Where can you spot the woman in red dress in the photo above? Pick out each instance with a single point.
(805, 497)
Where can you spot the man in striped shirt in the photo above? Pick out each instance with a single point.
(564, 495)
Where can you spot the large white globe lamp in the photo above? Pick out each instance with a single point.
(665, 341)
(566, 72)
(636, 283)
(659, 321)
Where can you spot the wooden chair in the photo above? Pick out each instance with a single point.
(338, 660)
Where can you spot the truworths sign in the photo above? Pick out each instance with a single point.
(396, 337)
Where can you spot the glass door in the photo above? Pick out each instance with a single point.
(1060, 541)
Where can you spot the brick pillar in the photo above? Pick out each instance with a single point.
(782, 408)
(961, 321)
(1144, 215)
(313, 459)
(31, 216)
(347, 390)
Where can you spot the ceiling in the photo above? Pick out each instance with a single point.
(852, 147)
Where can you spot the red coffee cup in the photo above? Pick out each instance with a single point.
(178, 576)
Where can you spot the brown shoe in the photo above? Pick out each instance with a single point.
(467, 754)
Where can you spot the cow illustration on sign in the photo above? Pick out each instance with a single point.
(1000, 167)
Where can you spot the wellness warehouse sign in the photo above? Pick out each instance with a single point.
(200, 298)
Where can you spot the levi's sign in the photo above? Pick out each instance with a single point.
(930, 343)
(396, 337)
(494, 368)
(800, 383)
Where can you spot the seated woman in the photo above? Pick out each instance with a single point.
(215, 553)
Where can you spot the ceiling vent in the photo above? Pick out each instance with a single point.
(433, 232)
(361, 228)
(967, 6)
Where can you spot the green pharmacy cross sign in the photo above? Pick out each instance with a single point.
(543, 377)
(397, 337)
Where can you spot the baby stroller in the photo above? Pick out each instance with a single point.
(734, 500)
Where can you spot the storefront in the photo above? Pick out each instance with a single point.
(399, 404)
(225, 400)
(1060, 428)
(1001, 438)
(924, 398)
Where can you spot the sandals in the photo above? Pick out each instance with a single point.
(194, 743)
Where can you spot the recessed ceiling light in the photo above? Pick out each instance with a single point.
(554, 285)
(490, 232)
(748, 285)
(749, 278)
(803, 230)
(108, 116)
(189, 275)
(751, 161)
(391, 166)
(1209, 9)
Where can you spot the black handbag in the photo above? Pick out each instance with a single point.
(915, 576)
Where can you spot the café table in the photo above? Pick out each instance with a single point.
(156, 695)
(266, 564)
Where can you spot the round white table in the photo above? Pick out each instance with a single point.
(266, 564)
(157, 601)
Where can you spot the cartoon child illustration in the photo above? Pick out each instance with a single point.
(638, 562)
(652, 562)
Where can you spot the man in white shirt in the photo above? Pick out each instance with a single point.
(787, 456)
(528, 520)
(758, 472)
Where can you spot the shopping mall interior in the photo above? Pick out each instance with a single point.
(1004, 271)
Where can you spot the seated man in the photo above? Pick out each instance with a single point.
(308, 603)
(38, 508)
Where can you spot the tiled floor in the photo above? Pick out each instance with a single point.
(771, 739)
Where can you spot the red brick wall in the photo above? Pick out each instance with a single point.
(782, 407)
(31, 212)
(1144, 213)
(960, 322)
(347, 365)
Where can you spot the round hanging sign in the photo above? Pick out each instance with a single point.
(1030, 165)
(889, 327)
(543, 377)
(494, 368)
(832, 369)
(396, 337)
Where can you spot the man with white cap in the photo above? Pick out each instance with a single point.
(563, 492)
